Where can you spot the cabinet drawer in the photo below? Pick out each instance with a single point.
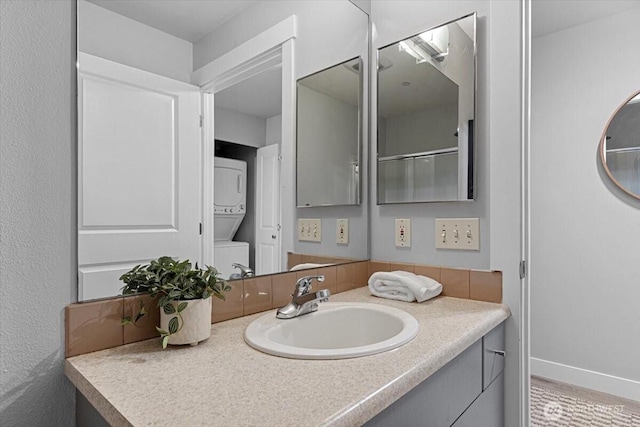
(492, 359)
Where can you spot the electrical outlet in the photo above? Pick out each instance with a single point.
(458, 233)
(403, 233)
(310, 230)
(342, 231)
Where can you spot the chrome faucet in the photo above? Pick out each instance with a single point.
(244, 270)
(303, 301)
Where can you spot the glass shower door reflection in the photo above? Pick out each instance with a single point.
(424, 178)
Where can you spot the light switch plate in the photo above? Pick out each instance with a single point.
(310, 229)
(403, 233)
(458, 233)
(342, 231)
(315, 234)
(302, 224)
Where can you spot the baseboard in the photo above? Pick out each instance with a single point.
(597, 381)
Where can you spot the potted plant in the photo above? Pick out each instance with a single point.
(183, 297)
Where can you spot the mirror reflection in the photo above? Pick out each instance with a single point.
(620, 147)
(142, 123)
(426, 111)
(328, 136)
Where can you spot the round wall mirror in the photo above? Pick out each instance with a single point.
(620, 146)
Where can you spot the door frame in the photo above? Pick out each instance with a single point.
(273, 48)
(525, 216)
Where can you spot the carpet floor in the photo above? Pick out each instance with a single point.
(551, 408)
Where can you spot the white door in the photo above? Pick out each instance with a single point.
(268, 210)
(138, 172)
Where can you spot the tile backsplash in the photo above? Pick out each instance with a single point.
(95, 325)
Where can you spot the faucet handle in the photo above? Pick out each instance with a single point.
(303, 285)
(244, 270)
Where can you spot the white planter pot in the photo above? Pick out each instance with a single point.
(194, 321)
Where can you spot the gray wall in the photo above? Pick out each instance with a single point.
(498, 109)
(37, 209)
(393, 21)
(585, 234)
(112, 36)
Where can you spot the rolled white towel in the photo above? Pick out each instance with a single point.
(307, 265)
(403, 286)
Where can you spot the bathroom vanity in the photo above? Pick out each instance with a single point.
(223, 381)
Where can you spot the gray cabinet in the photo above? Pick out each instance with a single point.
(487, 410)
(468, 391)
(492, 355)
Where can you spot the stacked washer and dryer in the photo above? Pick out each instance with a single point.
(230, 202)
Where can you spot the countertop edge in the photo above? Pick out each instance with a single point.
(99, 402)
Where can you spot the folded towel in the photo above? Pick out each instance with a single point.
(403, 286)
(307, 265)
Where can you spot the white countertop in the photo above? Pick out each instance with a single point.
(224, 382)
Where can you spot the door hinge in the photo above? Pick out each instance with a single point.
(201, 120)
(279, 156)
(523, 269)
(200, 228)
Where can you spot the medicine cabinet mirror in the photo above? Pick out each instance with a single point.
(426, 114)
(620, 146)
(328, 135)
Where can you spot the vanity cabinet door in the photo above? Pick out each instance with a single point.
(492, 355)
(440, 399)
(488, 409)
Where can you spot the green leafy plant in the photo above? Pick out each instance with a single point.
(171, 280)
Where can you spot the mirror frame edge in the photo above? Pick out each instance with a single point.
(360, 125)
(601, 147)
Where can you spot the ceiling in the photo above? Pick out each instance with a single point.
(549, 16)
(259, 96)
(189, 20)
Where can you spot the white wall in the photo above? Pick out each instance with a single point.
(117, 38)
(327, 146)
(37, 209)
(406, 133)
(329, 32)
(585, 234)
(274, 130)
(498, 107)
(240, 128)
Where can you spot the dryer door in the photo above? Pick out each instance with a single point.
(229, 187)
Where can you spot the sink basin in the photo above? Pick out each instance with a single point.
(336, 331)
